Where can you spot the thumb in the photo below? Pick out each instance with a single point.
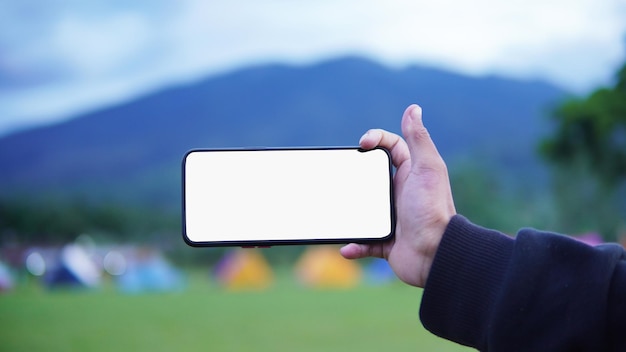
(423, 151)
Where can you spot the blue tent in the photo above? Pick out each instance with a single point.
(74, 269)
(379, 272)
(152, 274)
(6, 279)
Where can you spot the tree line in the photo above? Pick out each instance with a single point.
(62, 220)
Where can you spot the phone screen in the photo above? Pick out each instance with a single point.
(287, 196)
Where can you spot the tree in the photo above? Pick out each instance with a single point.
(588, 151)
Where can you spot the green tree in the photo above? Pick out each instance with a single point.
(588, 150)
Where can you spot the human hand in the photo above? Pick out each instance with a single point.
(423, 199)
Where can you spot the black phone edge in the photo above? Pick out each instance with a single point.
(270, 243)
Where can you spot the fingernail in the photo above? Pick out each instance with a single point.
(364, 136)
(416, 112)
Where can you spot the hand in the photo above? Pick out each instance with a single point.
(423, 198)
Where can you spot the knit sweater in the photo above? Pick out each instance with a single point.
(539, 291)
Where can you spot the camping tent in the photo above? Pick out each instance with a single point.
(324, 267)
(590, 238)
(244, 269)
(145, 270)
(378, 272)
(75, 268)
(6, 279)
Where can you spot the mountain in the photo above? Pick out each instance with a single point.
(132, 151)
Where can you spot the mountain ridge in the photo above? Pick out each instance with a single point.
(132, 151)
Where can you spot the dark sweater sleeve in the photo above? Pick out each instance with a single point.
(538, 291)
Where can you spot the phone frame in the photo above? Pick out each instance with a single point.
(281, 242)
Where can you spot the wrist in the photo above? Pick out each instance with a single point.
(430, 246)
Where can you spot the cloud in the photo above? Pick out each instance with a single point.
(469, 36)
(72, 56)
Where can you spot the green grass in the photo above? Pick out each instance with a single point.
(205, 317)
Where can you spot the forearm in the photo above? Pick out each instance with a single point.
(537, 291)
(461, 286)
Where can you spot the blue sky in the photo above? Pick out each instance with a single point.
(60, 58)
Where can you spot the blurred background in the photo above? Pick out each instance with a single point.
(99, 100)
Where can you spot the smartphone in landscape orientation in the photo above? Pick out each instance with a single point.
(276, 196)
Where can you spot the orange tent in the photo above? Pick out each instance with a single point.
(244, 269)
(324, 267)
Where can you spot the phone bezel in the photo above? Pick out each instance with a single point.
(269, 243)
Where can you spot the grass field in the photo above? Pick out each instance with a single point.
(205, 317)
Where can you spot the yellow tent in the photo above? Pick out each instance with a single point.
(244, 269)
(324, 267)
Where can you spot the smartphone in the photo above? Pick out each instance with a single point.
(279, 196)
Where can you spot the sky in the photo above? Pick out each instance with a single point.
(60, 58)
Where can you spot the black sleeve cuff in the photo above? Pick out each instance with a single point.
(463, 284)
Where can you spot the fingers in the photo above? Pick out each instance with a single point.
(390, 141)
(352, 251)
(418, 142)
(357, 251)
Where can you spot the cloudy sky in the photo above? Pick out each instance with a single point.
(62, 57)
